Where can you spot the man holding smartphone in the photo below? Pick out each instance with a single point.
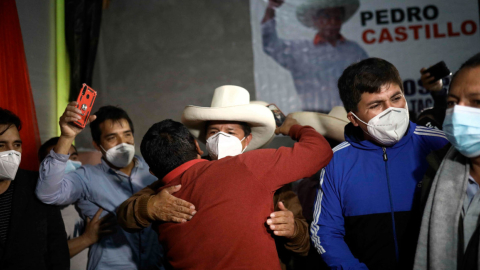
(433, 117)
(106, 185)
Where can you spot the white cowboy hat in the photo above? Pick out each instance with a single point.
(231, 103)
(307, 11)
(331, 125)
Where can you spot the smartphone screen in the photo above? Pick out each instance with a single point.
(277, 114)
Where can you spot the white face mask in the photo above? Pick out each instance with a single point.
(9, 162)
(388, 127)
(121, 155)
(72, 165)
(222, 144)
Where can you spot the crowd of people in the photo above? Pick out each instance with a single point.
(394, 195)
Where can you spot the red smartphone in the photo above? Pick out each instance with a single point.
(277, 114)
(85, 101)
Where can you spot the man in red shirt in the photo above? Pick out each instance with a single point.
(233, 195)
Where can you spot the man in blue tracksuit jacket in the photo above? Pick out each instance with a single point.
(362, 214)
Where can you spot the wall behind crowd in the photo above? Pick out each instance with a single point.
(37, 22)
(154, 57)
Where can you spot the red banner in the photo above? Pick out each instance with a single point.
(15, 89)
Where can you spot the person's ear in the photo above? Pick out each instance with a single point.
(199, 150)
(248, 139)
(352, 119)
(96, 146)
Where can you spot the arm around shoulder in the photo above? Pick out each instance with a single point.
(132, 214)
(300, 242)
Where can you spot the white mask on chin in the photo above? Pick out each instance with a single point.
(388, 127)
(222, 145)
(121, 155)
(9, 162)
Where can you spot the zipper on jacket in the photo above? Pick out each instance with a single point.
(385, 158)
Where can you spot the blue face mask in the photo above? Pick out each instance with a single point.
(72, 165)
(462, 128)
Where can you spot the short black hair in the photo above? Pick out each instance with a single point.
(8, 118)
(472, 62)
(167, 145)
(108, 113)
(246, 128)
(369, 76)
(42, 152)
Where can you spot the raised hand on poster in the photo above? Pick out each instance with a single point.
(270, 11)
(275, 3)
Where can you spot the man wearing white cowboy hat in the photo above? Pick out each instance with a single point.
(233, 117)
(233, 192)
(315, 65)
(231, 126)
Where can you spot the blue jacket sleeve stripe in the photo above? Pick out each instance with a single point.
(430, 134)
(318, 208)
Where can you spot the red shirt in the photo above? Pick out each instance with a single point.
(234, 197)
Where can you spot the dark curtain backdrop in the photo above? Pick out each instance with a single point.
(82, 30)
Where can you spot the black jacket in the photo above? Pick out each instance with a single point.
(36, 237)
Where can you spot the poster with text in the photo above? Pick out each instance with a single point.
(301, 47)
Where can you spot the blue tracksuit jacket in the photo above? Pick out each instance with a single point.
(362, 213)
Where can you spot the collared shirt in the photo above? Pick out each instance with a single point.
(180, 169)
(315, 69)
(318, 40)
(471, 210)
(101, 186)
(472, 189)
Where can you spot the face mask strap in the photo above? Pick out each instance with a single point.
(245, 146)
(103, 149)
(358, 118)
(244, 149)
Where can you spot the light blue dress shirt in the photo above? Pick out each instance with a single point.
(101, 186)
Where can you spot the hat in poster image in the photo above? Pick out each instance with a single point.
(307, 11)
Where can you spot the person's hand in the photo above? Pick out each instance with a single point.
(282, 222)
(275, 3)
(97, 227)
(71, 114)
(287, 124)
(168, 208)
(429, 83)
(270, 10)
